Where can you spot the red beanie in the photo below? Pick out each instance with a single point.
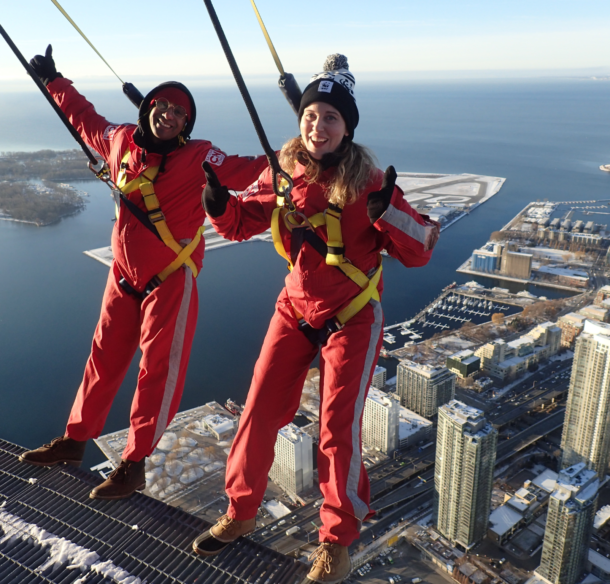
(175, 96)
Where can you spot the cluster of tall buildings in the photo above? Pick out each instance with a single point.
(465, 460)
(466, 444)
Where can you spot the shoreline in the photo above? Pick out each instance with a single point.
(7, 218)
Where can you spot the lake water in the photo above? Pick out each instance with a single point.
(547, 138)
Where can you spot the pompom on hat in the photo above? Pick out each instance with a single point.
(334, 86)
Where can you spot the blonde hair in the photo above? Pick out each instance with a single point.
(352, 174)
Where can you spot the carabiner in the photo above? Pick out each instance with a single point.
(283, 187)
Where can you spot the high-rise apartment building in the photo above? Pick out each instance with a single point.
(569, 523)
(379, 377)
(380, 421)
(423, 388)
(586, 429)
(293, 464)
(463, 473)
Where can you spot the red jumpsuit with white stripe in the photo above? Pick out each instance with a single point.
(163, 324)
(347, 360)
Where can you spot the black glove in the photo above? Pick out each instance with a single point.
(379, 201)
(215, 196)
(44, 67)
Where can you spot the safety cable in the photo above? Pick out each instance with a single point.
(58, 5)
(281, 190)
(129, 89)
(276, 57)
(287, 83)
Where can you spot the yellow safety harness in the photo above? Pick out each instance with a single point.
(331, 217)
(145, 184)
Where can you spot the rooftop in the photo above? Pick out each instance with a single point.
(380, 397)
(596, 328)
(547, 480)
(503, 519)
(409, 423)
(572, 318)
(292, 433)
(136, 540)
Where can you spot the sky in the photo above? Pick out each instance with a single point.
(383, 39)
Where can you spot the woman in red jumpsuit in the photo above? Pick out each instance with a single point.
(327, 168)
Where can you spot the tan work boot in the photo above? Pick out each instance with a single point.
(225, 531)
(123, 481)
(61, 449)
(331, 563)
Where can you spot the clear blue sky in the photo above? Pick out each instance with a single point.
(175, 38)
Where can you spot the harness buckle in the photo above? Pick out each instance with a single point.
(156, 216)
(297, 214)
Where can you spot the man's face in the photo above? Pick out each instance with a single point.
(165, 124)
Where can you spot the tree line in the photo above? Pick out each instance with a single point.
(24, 202)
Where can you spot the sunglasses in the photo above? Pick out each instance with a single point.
(163, 106)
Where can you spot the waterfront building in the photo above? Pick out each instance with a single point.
(292, 468)
(379, 377)
(464, 364)
(516, 264)
(571, 326)
(380, 421)
(586, 429)
(509, 360)
(487, 259)
(424, 388)
(463, 473)
(569, 525)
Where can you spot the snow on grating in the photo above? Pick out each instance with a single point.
(51, 532)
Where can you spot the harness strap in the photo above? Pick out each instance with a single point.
(332, 251)
(145, 184)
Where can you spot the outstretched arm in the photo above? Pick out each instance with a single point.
(95, 130)
(412, 236)
(238, 218)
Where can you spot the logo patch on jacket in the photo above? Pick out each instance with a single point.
(251, 190)
(215, 157)
(109, 132)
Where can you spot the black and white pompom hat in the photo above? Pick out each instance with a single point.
(335, 86)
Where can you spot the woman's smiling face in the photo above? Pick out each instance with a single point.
(322, 129)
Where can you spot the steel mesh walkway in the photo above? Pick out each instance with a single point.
(137, 541)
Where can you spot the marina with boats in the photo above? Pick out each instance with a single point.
(453, 308)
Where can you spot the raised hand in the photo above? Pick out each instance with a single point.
(215, 196)
(378, 201)
(44, 66)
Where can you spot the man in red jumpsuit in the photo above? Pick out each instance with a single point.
(136, 309)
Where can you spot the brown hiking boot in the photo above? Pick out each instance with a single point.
(331, 563)
(62, 449)
(226, 531)
(122, 482)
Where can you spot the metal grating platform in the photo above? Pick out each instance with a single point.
(137, 541)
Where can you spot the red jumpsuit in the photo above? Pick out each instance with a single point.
(164, 323)
(347, 360)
